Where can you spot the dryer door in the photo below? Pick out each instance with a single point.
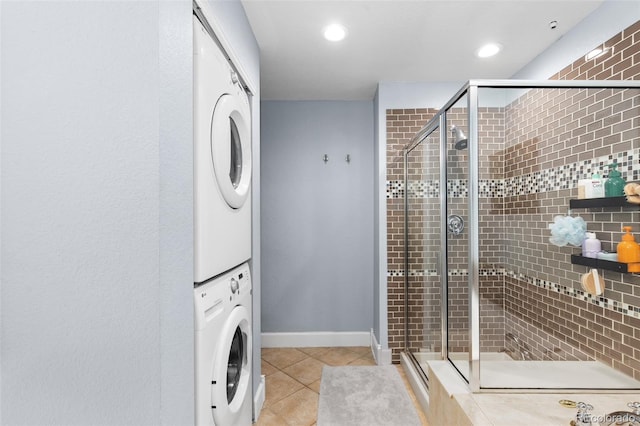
(231, 148)
(231, 387)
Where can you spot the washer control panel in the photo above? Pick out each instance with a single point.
(220, 294)
(240, 282)
(235, 285)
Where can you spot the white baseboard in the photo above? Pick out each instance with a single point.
(382, 356)
(258, 399)
(315, 339)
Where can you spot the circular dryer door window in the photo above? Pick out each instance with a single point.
(232, 368)
(231, 149)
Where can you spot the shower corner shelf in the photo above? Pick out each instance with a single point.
(586, 203)
(600, 202)
(608, 265)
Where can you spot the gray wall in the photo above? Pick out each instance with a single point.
(379, 175)
(96, 249)
(317, 218)
(96, 261)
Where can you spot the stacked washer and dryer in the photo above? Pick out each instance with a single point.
(222, 206)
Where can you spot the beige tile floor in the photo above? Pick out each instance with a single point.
(293, 382)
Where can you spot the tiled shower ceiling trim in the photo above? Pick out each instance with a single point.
(603, 302)
(554, 179)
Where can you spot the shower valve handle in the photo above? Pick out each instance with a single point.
(455, 224)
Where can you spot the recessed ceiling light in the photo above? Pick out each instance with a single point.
(488, 50)
(334, 32)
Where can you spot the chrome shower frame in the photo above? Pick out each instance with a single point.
(438, 122)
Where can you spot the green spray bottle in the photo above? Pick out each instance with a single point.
(614, 186)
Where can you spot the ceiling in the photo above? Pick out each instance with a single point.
(398, 41)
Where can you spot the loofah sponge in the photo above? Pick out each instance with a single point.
(631, 188)
(567, 230)
(632, 191)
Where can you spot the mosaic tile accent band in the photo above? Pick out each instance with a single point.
(623, 308)
(564, 177)
(395, 189)
(614, 305)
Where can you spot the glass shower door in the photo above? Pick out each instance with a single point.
(423, 250)
(457, 174)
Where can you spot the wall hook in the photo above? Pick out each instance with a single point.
(325, 158)
(348, 158)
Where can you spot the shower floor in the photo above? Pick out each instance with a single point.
(498, 371)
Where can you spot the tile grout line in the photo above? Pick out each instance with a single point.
(358, 355)
(361, 354)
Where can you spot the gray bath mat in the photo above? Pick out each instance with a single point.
(358, 396)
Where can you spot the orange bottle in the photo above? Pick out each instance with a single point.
(628, 250)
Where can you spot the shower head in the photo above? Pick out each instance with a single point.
(459, 138)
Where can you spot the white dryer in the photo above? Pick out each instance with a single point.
(222, 159)
(223, 350)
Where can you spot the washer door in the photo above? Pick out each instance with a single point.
(231, 149)
(232, 368)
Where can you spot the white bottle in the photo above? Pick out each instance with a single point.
(591, 245)
(597, 185)
(591, 188)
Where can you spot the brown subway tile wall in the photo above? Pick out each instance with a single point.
(532, 152)
(579, 130)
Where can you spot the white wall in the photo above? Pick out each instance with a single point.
(317, 218)
(96, 256)
(603, 23)
(96, 213)
(176, 212)
(1, 213)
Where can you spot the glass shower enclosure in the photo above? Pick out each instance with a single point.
(484, 288)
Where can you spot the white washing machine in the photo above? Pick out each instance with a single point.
(223, 350)
(222, 161)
